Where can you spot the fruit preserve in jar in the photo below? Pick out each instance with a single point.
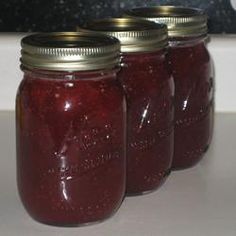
(193, 75)
(70, 128)
(149, 91)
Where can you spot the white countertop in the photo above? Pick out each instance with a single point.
(200, 201)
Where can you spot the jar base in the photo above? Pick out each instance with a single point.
(191, 164)
(74, 225)
(145, 192)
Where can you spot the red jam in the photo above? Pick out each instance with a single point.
(193, 76)
(150, 90)
(70, 130)
(192, 71)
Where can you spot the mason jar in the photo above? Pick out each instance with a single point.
(149, 90)
(70, 128)
(191, 67)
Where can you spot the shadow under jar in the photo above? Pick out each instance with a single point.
(70, 128)
(149, 91)
(193, 75)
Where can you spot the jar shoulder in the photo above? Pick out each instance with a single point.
(62, 94)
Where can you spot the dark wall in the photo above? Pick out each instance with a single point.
(63, 15)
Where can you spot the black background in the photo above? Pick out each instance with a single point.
(64, 15)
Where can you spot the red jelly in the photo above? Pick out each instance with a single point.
(149, 90)
(70, 129)
(192, 71)
(191, 67)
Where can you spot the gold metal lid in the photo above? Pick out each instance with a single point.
(69, 51)
(181, 21)
(135, 35)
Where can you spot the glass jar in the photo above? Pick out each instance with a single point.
(193, 75)
(149, 90)
(70, 128)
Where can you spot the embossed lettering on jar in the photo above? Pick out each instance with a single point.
(70, 128)
(149, 90)
(193, 75)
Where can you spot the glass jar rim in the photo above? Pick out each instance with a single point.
(73, 51)
(135, 35)
(181, 21)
